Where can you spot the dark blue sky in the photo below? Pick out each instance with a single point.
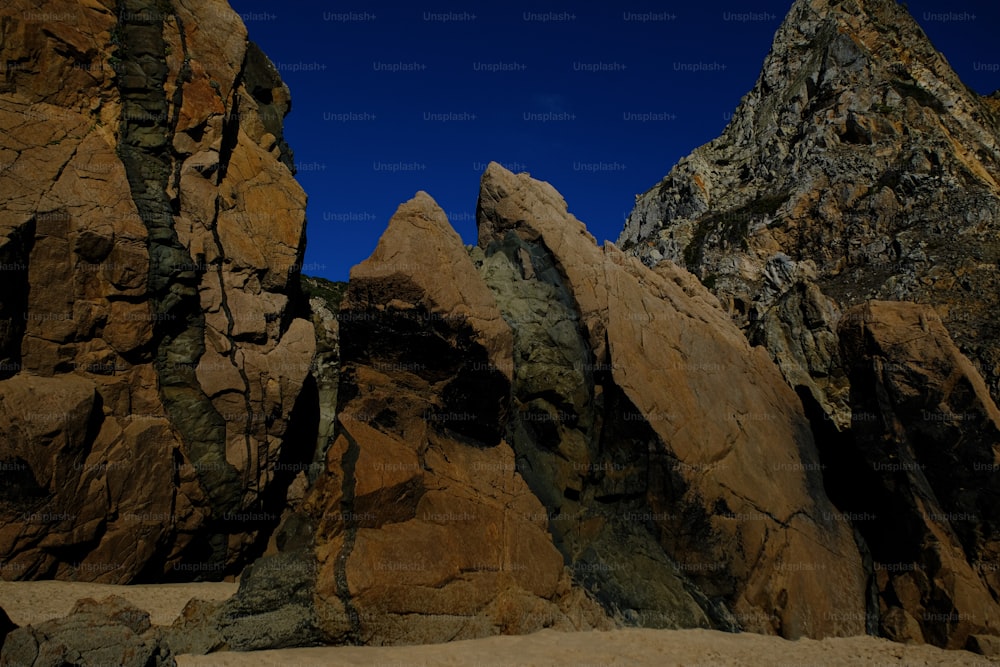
(597, 98)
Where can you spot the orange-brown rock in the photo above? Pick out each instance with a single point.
(425, 529)
(150, 358)
(733, 473)
(927, 454)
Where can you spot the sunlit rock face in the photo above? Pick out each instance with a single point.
(861, 168)
(539, 432)
(150, 353)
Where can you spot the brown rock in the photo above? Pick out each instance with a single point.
(114, 295)
(419, 236)
(899, 626)
(426, 532)
(749, 450)
(930, 434)
(741, 452)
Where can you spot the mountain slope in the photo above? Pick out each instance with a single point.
(860, 162)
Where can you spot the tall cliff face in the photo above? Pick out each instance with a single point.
(860, 167)
(151, 238)
(859, 162)
(540, 432)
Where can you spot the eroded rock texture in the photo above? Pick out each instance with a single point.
(931, 437)
(94, 634)
(150, 237)
(538, 432)
(861, 168)
(858, 162)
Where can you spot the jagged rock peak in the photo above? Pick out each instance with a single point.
(499, 185)
(421, 258)
(858, 152)
(837, 73)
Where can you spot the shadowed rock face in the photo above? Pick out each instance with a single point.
(6, 627)
(720, 473)
(931, 434)
(151, 358)
(858, 168)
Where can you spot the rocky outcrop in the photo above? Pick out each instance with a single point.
(931, 439)
(538, 432)
(534, 432)
(860, 163)
(861, 168)
(110, 632)
(151, 360)
(726, 478)
(425, 530)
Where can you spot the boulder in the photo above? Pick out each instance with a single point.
(274, 607)
(109, 632)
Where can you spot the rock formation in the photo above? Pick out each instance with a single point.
(94, 634)
(928, 433)
(639, 419)
(426, 532)
(859, 163)
(532, 432)
(151, 360)
(538, 432)
(860, 167)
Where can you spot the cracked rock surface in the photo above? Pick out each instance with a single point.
(151, 357)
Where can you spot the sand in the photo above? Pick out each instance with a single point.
(31, 602)
(617, 648)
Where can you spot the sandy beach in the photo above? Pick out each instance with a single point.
(617, 648)
(28, 602)
(33, 602)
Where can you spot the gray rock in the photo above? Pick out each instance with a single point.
(94, 634)
(858, 149)
(273, 608)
